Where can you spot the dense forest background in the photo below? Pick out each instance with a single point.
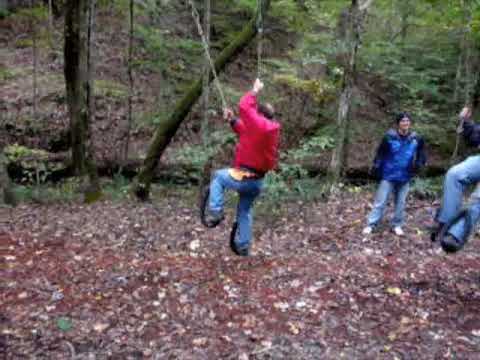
(105, 102)
(415, 56)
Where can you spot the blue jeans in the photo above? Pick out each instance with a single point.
(458, 229)
(248, 190)
(457, 179)
(400, 192)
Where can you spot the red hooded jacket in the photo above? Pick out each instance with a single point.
(257, 147)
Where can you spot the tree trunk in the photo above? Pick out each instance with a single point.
(35, 60)
(6, 193)
(76, 74)
(459, 72)
(167, 129)
(471, 70)
(349, 44)
(130, 84)
(206, 81)
(50, 23)
(405, 12)
(93, 191)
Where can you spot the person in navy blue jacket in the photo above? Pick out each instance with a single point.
(399, 157)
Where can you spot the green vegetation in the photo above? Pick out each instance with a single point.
(410, 59)
(6, 74)
(109, 88)
(427, 188)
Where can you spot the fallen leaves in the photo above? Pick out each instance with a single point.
(294, 328)
(322, 290)
(100, 327)
(394, 291)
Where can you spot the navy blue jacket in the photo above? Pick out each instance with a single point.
(471, 133)
(399, 157)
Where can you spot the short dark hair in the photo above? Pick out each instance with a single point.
(266, 110)
(402, 115)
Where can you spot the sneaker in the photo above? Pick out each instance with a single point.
(243, 252)
(450, 244)
(367, 230)
(213, 218)
(398, 231)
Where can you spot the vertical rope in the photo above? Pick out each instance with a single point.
(196, 17)
(260, 37)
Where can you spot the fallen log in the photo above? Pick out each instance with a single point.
(55, 167)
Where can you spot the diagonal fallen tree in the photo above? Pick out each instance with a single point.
(166, 130)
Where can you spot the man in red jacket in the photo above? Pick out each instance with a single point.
(256, 153)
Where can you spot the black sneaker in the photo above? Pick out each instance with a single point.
(450, 244)
(243, 252)
(233, 245)
(213, 218)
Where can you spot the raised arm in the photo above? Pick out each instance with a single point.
(248, 104)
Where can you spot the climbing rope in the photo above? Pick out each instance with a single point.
(196, 17)
(259, 24)
(458, 136)
(260, 37)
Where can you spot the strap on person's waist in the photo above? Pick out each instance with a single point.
(258, 174)
(242, 174)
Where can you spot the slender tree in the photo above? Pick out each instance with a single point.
(130, 82)
(50, 16)
(6, 193)
(79, 70)
(93, 191)
(35, 60)
(350, 30)
(75, 69)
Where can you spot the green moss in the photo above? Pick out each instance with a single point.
(24, 43)
(6, 74)
(321, 90)
(17, 152)
(3, 13)
(92, 196)
(109, 88)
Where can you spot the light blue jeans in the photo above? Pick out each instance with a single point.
(457, 179)
(458, 229)
(400, 192)
(248, 190)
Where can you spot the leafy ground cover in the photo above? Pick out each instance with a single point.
(123, 280)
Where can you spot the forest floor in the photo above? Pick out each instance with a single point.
(123, 280)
